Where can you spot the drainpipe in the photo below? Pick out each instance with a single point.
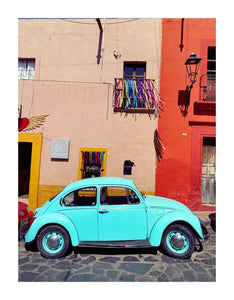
(100, 44)
(182, 35)
(99, 24)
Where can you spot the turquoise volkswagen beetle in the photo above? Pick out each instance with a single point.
(111, 212)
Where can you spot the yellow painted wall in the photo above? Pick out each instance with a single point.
(45, 192)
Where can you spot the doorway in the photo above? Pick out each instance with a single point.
(208, 176)
(32, 143)
(24, 165)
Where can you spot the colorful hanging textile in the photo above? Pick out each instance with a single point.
(118, 92)
(90, 157)
(102, 154)
(136, 93)
(94, 157)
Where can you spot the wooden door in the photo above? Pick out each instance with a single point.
(208, 178)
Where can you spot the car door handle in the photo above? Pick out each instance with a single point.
(104, 211)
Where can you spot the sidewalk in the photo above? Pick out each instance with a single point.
(206, 216)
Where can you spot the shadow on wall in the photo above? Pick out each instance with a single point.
(183, 102)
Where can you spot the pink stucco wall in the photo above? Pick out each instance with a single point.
(77, 93)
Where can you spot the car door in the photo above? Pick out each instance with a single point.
(80, 206)
(121, 215)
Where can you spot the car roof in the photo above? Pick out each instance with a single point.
(101, 181)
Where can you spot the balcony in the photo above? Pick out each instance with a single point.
(136, 96)
(207, 98)
(208, 87)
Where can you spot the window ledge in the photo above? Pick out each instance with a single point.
(135, 110)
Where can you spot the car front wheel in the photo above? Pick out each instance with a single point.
(53, 241)
(178, 241)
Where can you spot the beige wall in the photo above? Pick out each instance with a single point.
(77, 93)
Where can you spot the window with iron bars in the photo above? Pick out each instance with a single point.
(211, 63)
(208, 81)
(211, 74)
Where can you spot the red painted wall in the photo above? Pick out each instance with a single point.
(175, 173)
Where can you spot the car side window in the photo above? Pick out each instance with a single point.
(81, 197)
(133, 198)
(118, 196)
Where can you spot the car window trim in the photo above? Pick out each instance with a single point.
(142, 202)
(79, 188)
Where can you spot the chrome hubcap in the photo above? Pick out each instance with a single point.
(53, 241)
(177, 241)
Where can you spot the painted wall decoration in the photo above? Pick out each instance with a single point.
(25, 124)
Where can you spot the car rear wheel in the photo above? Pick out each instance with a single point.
(53, 241)
(178, 241)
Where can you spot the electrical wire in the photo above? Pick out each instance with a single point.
(114, 23)
(71, 81)
(87, 23)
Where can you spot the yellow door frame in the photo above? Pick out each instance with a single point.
(36, 140)
(92, 150)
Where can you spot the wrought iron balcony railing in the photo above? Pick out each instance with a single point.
(136, 94)
(208, 87)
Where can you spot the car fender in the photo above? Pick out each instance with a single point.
(162, 223)
(52, 218)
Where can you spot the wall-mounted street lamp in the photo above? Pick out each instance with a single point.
(192, 67)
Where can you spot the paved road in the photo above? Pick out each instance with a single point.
(117, 265)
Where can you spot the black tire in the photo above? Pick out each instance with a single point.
(53, 241)
(178, 241)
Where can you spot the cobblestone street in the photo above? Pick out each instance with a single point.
(120, 265)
